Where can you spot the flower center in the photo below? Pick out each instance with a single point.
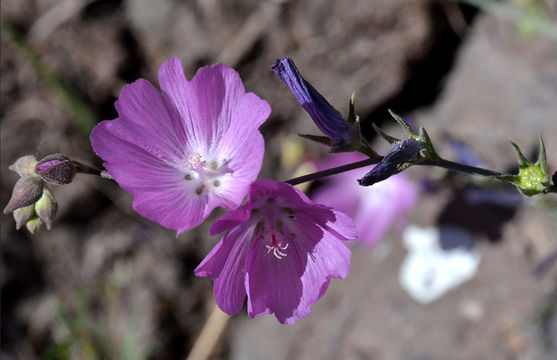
(276, 244)
(206, 173)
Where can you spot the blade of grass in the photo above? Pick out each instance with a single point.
(78, 110)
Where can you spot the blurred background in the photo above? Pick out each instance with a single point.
(105, 283)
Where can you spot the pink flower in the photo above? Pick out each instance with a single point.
(188, 150)
(373, 208)
(280, 250)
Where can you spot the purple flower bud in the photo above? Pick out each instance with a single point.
(56, 169)
(27, 191)
(47, 207)
(23, 214)
(24, 166)
(400, 153)
(324, 115)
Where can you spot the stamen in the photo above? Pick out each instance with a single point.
(277, 246)
(195, 162)
(200, 189)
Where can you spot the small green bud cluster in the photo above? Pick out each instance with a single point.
(532, 178)
(32, 202)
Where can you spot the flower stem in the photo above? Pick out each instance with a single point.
(89, 170)
(471, 170)
(210, 334)
(446, 164)
(333, 171)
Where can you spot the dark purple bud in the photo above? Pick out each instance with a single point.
(47, 207)
(56, 169)
(27, 191)
(401, 153)
(324, 115)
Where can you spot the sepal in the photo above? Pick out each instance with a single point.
(532, 178)
(47, 207)
(407, 128)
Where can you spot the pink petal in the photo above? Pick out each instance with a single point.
(289, 286)
(206, 104)
(225, 264)
(160, 192)
(231, 219)
(273, 285)
(144, 120)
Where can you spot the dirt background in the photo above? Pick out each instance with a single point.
(105, 283)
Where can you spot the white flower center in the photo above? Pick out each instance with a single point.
(206, 173)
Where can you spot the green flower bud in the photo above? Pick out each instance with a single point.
(532, 178)
(24, 166)
(56, 169)
(27, 191)
(47, 207)
(23, 214)
(34, 224)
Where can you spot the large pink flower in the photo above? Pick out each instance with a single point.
(373, 208)
(280, 249)
(188, 150)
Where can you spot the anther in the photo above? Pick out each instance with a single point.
(200, 189)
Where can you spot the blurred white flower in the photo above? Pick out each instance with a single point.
(429, 271)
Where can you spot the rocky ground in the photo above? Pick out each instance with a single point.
(105, 283)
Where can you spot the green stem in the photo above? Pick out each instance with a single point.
(333, 171)
(89, 170)
(471, 170)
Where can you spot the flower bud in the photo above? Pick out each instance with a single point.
(532, 178)
(396, 160)
(25, 165)
(27, 191)
(324, 115)
(47, 207)
(34, 224)
(56, 169)
(23, 214)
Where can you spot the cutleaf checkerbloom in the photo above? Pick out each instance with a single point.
(280, 249)
(188, 150)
